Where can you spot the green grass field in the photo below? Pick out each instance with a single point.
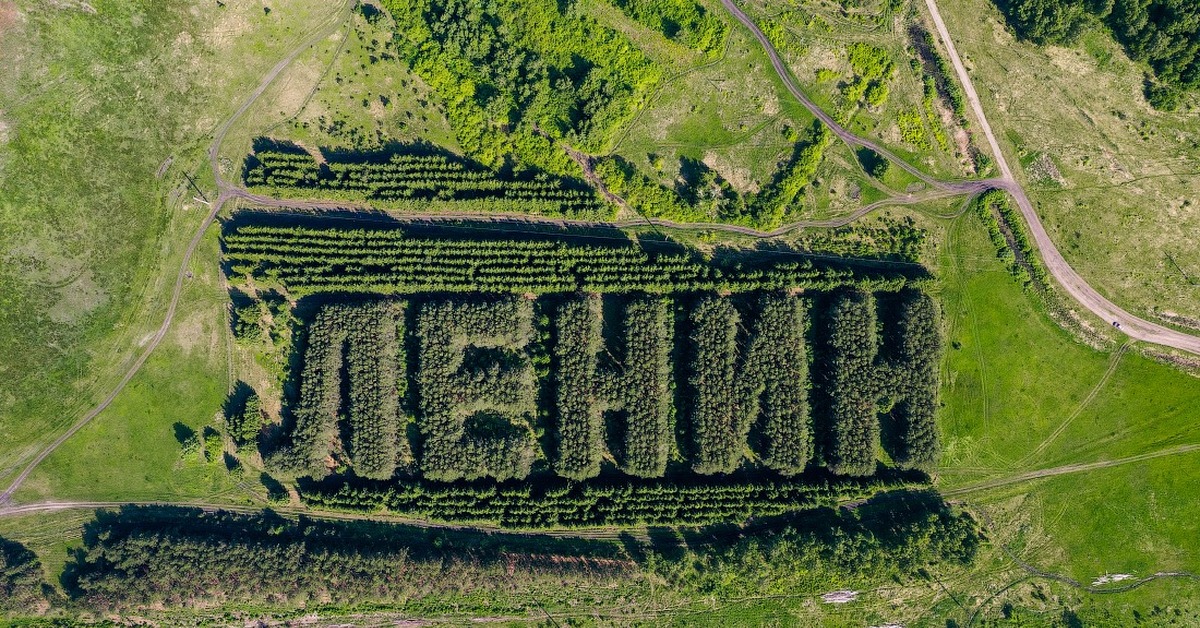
(102, 115)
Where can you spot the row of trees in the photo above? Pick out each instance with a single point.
(1163, 33)
(718, 424)
(596, 503)
(746, 390)
(151, 561)
(910, 434)
(402, 176)
(637, 387)
(476, 389)
(307, 261)
(849, 381)
(579, 415)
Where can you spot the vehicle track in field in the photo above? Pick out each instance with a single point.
(331, 24)
(1113, 363)
(1079, 467)
(1067, 277)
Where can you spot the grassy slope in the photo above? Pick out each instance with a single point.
(130, 451)
(94, 105)
(1011, 385)
(1123, 211)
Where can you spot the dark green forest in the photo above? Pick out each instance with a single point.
(156, 558)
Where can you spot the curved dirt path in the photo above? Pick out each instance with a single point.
(323, 31)
(1133, 326)
(1071, 281)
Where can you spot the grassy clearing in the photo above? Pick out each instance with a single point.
(1012, 404)
(1005, 368)
(732, 114)
(103, 114)
(133, 450)
(353, 93)
(1114, 180)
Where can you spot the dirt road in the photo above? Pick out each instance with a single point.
(327, 27)
(959, 189)
(1069, 468)
(1058, 267)
(1066, 276)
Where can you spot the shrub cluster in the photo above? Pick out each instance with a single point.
(682, 21)
(476, 388)
(773, 203)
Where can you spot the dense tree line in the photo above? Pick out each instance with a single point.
(307, 261)
(154, 560)
(578, 409)
(598, 503)
(514, 71)
(376, 364)
(850, 384)
(910, 435)
(732, 390)
(637, 387)
(412, 177)
(363, 343)
(890, 537)
(177, 558)
(774, 381)
(476, 388)
(1163, 33)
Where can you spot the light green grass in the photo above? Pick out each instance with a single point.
(93, 106)
(130, 451)
(1013, 378)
